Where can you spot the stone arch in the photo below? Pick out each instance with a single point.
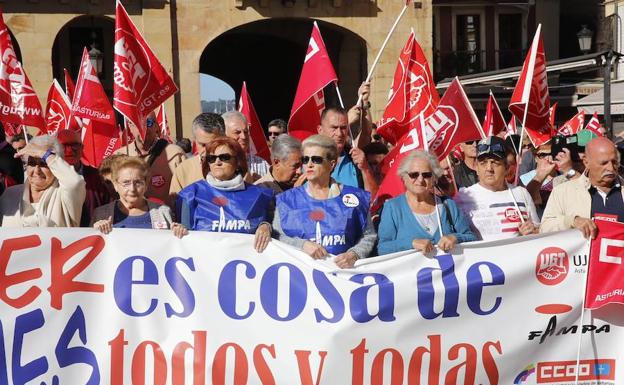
(268, 54)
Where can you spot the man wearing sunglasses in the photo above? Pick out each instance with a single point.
(161, 156)
(493, 206)
(276, 128)
(465, 172)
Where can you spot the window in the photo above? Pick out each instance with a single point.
(510, 40)
(468, 38)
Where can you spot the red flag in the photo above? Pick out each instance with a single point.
(141, 82)
(442, 132)
(413, 93)
(594, 125)
(605, 278)
(19, 103)
(512, 129)
(317, 72)
(90, 101)
(58, 111)
(572, 126)
(258, 142)
(163, 123)
(531, 94)
(551, 113)
(70, 87)
(494, 121)
(100, 140)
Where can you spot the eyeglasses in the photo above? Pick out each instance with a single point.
(34, 162)
(415, 174)
(314, 158)
(149, 122)
(496, 147)
(543, 155)
(221, 157)
(126, 184)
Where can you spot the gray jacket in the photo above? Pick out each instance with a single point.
(159, 214)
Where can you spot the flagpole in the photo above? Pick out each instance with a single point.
(383, 46)
(580, 325)
(513, 198)
(126, 128)
(25, 133)
(342, 106)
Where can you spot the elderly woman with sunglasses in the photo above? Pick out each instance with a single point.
(323, 217)
(223, 201)
(132, 210)
(412, 221)
(53, 193)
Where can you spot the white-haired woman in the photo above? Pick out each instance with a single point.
(324, 217)
(53, 193)
(410, 221)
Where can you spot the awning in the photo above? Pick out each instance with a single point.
(595, 102)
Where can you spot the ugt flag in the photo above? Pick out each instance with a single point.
(141, 82)
(258, 142)
(605, 280)
(413, 93)
(574, 125)
(317, 72)
(58, 111)
(530, 97)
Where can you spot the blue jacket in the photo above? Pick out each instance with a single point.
(398, 226)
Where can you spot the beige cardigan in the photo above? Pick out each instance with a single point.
(567, 201)
(59, 206)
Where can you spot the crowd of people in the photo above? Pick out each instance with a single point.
(314, 195)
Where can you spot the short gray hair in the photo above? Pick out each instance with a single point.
(283, 146)
(419, 154)
(234, 115)
(49, 142)
(209, 122)
(324, 142)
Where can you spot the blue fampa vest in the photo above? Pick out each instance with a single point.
(216, 210)
(337, 224)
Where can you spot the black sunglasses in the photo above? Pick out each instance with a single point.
(377, 137)
(221, 157)
(415, 174)
(34, 162)
(274, 133)
(314, 158)
(543, 155)
(496, 147)
(470, 142)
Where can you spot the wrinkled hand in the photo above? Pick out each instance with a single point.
(353, 115)
(104, 225)
(587, 227)
(364, 91)
(447, 242)
(314, 250)
(301, 180)
(179, 230)
(359, 159)
(527, 228)
(423, 245)
(262, 237)
(31, 149)
(543, 168)
(346, 260)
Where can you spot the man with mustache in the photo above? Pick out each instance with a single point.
(596, 194)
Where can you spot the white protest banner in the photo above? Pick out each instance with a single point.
(141, 307)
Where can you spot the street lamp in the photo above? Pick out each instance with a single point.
(95, 56)
(585, 39)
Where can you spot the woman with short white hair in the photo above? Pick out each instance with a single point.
(412, 221)
(53, 193)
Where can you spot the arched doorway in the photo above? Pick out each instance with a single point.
(268, 55)
(81, 32)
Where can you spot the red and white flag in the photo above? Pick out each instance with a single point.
(70, 87)
(258, 142)
(572, 126)
(605, 279)
(413, 93)
(551, 113)
(494, 121)
(141, 82)
(317, 72)
(163, 123)
(19, 104)
(512, 128)
(90, 100)
(59, 111)
(530, 98)
(594, 125)
(99, 140)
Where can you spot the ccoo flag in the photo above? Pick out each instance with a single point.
(258, 142)
(317, 72)
(594, 125)
(574, 125)
(141, 82)
(605, 278)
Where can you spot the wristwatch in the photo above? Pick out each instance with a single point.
(47, 154)
(570, 174)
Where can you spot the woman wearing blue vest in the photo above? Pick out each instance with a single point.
(323, 217)
(411, 220)
(223, 202)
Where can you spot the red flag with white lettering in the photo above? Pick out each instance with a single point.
(605, 278)
(317, 72)
(163, 123)
(90, 100)
(258, 142)
(494, 121)
(512, 128)
(594, 125)
(413, 93)
(58, 111)
(530, 97)
(572, 126)
(100, 140)
(19, 104)
(141, 82)
(70, 87)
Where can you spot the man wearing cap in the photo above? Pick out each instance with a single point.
(595, 194)
(493, 206)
